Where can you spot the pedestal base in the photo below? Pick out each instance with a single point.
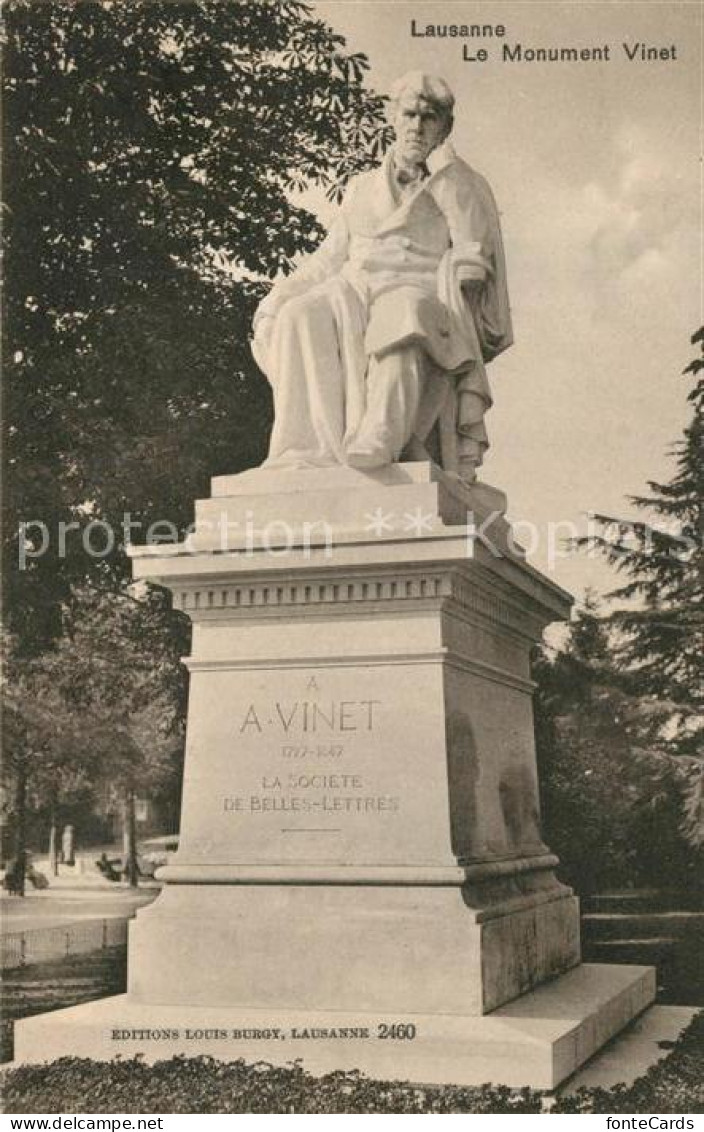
(414, 947)
(539, 1040)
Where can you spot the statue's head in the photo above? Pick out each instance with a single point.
(421, 114)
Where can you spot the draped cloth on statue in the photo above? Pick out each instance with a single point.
(386, 328)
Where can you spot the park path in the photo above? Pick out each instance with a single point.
(59, 905)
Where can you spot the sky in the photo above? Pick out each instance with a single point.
(596, 168)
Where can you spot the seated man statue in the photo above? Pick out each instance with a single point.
(375, 346)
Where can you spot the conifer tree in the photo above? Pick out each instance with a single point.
(658, 640)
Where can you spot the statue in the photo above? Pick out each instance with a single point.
(376, 345)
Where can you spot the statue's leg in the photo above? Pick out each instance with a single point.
(437, 387)
(309, 380)
(472, 439)
(394, 387)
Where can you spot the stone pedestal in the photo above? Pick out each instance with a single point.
(360, 830)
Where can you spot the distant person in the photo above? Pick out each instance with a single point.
(107, 867)
(67, 846)
(16, 870)
(14, 873)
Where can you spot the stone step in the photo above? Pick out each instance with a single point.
(679, 962)
(627, 901)
(598, 926)
(341, 480)
(653, 952)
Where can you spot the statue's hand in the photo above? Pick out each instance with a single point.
(470, 264)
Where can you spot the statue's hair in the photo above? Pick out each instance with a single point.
(429, 87)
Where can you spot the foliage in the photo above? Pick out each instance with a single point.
(620, 713)
(42, 739)
(117, 667)
(614, 810)
(201, 1084)
(46, 761)
(660, 640)
(103, 709)
(152, 148)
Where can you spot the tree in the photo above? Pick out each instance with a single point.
(614, 807)
(153, 150)
(659, 638)
(104, 707)
(620, 711)
(117, 667)
(44, 750)
(660, 635)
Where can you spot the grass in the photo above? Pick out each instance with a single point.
(41, 987)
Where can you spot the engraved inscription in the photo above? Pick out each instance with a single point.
(290, 779)
(310, 717)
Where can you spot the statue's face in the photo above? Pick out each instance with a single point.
(419, 129)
